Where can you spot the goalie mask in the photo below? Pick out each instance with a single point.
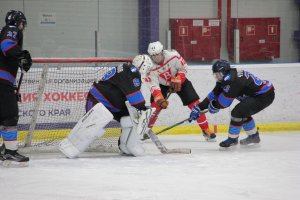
(143, 63)
(220, 68)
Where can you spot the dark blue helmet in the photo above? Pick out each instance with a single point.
(222, 66)
(14, 17)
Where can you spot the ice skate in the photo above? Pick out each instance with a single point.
(251, 140)
(14, 159)
(2, 148)
(208, 135)
(229, 143)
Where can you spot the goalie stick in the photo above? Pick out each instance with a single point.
(153, 136)
(163, 149)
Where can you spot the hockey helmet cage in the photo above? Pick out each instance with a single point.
(143, 63)
(155, 48)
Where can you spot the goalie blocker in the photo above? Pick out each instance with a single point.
(92, 124)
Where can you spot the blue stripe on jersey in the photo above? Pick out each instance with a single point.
(7, 76)
(135, 98)
(7, 44)
(211, 96)
(9, 135)
(89, 106)
(265, 88)
(249, 125)
(100, 97)
(224, 101)
(234, 130)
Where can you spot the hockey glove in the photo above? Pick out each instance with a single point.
(212, 108)
(175, 85)
(25, 60)
(195, 113)
(162, 103)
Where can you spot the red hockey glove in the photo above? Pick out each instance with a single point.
(161, 101)
(175, 84)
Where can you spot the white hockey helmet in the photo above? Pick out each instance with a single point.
(143, 63)
(155, 48)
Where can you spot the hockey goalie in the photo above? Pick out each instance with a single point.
(106, 101)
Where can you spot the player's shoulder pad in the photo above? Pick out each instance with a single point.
(171, 53)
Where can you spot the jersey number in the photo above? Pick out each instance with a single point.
(256, 80)
(109, 74)
(12, 34)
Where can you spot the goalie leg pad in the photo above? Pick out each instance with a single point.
(86, 130)
(130, 142)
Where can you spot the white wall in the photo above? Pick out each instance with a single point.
(73, 34)
(285, 78)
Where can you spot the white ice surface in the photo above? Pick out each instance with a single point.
(270, 172)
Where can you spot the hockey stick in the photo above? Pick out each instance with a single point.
(178, 123)
(155, 139)
(163, 149)
(19, 85)
(158, 111)
(145, 136)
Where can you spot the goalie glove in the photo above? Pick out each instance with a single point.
(175, 85)
(25, 60)
(143, 121)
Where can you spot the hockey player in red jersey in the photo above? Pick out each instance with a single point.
(168, 74)
(253, 93)
(12, 56)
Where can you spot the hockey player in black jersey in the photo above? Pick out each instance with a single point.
(253, 93)
(107, 97)
(11, 58)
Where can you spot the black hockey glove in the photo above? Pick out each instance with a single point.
(212, 108)
(25, 60)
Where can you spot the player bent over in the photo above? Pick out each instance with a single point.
(106, 100)
(168, 74)
(11, 58)
(253, 93)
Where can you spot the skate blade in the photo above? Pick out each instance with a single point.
(250, 146)
(13, 164)
(231, 148)
(210, 140)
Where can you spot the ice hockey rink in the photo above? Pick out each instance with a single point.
(267, 172)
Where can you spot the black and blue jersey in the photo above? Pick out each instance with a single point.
(11, 42)
(236, 85)
(119, 84)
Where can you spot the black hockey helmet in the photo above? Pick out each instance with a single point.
(220, 68)
(14, 17)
